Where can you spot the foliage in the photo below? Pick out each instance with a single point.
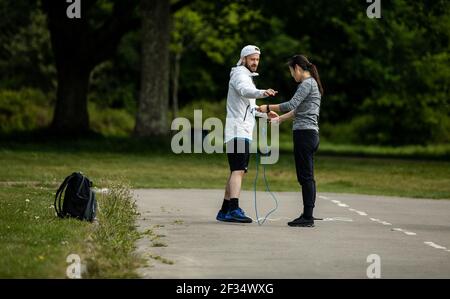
(26, 58)
(30, 109)
(386, 80)
(23, 110)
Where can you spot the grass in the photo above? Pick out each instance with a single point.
(111, 248)
(34, 243)
(412, 152)
(145, 166)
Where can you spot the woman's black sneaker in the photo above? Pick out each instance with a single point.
(302, 222)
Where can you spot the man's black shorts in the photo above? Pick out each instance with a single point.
(238, 153)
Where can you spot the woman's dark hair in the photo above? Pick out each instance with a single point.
(304, 63)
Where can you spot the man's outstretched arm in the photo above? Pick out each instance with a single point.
(245, 87)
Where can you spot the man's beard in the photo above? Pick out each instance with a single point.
(250, 68)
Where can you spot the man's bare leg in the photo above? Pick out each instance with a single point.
(227, 189)
(235, 183)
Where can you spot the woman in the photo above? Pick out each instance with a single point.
(304, 107)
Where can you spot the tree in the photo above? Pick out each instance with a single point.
(153, 99)
(26, 57)
(188, 29)
(78, 46)
(204, 38)
(404, 60)
(151, 118)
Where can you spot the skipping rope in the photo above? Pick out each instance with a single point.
(258, 160)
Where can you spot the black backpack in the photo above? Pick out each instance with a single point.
(79, 199)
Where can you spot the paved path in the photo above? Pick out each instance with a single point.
(411, 237)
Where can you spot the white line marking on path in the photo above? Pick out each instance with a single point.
(404, 231)
(432, 244)
(410, 233)
(339, 203)
(338, 219)
(343, 205)
(380, 221)
(361, 213)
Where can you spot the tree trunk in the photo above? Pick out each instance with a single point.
(71, 113)
(78, 48)
(151, 118)
(175, 83)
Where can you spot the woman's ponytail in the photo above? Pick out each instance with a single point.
(315, 75)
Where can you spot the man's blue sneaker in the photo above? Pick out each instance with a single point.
(221, 216)
(238, 215)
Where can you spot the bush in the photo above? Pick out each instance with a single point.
(341, 133)
(110, 122)
(209, 109)
(31, 109)
(24, 110)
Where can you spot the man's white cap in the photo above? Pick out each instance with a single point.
(248, 50)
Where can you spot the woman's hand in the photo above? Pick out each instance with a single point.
(263, 109)
(280, 119)
(276, 120)
(272, 114)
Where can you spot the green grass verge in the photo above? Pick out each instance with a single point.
(146, 165)
(412, 152)
(34, 243)
(111, 247)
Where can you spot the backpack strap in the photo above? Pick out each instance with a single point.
(58, 196)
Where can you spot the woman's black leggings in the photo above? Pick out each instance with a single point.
(306, 143)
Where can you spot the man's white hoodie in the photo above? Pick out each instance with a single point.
(241, 104)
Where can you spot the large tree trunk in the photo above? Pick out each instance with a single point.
(78, 48)
(175, 84)
(72, 65)
(71, 113)
(151, 118)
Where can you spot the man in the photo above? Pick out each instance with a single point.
(241, 112)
